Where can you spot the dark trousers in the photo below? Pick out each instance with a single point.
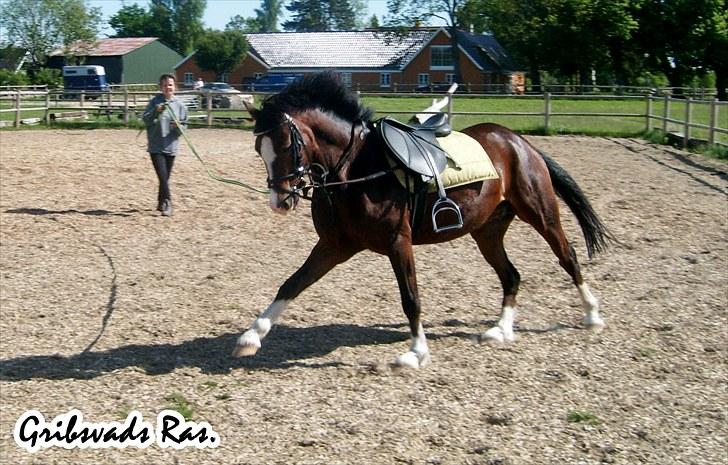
(163, 166)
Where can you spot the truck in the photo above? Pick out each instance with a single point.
(91, 79)
(272, 82)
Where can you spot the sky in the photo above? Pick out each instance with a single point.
(218, 12)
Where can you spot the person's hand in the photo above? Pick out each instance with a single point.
(161, 107)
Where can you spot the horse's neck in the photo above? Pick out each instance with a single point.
(336, 140)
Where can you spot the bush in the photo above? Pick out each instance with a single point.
(9, 78)
(49, 77)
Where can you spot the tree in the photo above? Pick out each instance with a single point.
(41, 26)
(265, 20)
(221, 51)
(133, 21)
(179, 22)
(324, 15)
(412, 13)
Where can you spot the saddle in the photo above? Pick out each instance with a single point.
(417, 150)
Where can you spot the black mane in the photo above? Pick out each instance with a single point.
(322, 91)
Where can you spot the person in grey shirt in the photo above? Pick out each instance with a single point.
(163, 136)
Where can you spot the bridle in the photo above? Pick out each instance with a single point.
(316, 175)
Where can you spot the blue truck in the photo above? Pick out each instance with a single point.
(91, 79)
(272, 82)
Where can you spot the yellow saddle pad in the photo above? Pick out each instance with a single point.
(467, 162)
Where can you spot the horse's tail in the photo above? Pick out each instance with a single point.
(596, 234)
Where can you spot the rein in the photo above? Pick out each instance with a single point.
(317, 173)
(207, 168)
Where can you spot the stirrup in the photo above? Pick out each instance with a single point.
(444, 205)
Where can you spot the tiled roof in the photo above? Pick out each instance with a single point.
(345, 49)
(109, 47)
(484, 49)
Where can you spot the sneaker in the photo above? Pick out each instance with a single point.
(167, 208)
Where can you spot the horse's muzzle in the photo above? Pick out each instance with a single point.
(283, 199)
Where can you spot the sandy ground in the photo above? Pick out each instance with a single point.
(108, 308)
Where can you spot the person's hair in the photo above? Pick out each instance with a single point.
(167, 76)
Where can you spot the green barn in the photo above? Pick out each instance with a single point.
(127, 60)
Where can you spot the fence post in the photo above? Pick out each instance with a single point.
(547, 111)
(126, 105)
(665, 115)
(209, 109)
(688, 115)
(17, 108)
(47, 116)
(649, 112)
(449, 108)
(713, 122)
(81, 99)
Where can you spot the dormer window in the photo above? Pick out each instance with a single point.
(441, 57)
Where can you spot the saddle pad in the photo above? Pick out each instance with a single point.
(467, 162)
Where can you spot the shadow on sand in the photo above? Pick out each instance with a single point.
(285, 347)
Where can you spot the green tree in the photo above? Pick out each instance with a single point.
(413, 13)
(179, 22)
(133, 21)
(221, 51)
(41, 26)
(324, 15)
(265, 20)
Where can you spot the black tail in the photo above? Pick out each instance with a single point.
(596, 234)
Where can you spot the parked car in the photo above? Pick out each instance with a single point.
(435, 87)
(218, 91)
(273, 82)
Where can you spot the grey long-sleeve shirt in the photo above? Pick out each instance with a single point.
(161, 138)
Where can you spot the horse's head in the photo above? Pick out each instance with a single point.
(281, 145)
(302, 132)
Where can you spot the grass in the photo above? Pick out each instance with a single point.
(578, 416)
(181, 405)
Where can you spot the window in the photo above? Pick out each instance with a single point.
(423, 79)
(450, 78)
(224, 77)
(385, 79)
(440, 57)
(189, 79)
(346, 79)
(258, 75)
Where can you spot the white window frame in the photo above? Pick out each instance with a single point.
(385, 79)
(450, 78)
(257, 75)
(436, 49)
(423, 79)
(225, 77)
(346, 79)
(189, 79)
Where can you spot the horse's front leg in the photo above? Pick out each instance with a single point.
(403, 262)
(322, 259)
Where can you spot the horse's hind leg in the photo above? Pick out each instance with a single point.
(545, 219)
(490, 242)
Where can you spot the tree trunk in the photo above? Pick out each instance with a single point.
(535, 78)
(721, 82)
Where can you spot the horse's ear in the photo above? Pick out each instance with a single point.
(251, 109)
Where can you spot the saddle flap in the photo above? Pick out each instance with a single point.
(417, 150)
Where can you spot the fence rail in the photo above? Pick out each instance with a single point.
(676, 118)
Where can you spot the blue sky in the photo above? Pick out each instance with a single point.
(218, 12)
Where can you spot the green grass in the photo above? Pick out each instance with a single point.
(181, 405)
(578, 416)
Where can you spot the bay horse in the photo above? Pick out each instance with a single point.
(316, 137)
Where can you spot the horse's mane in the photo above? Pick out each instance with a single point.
(323, 91)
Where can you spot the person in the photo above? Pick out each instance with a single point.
(163, 136)
(199, 83)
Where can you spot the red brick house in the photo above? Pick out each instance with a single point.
(373, 60)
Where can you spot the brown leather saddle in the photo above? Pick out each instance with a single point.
(416, 149)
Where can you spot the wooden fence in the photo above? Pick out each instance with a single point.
(128, 104)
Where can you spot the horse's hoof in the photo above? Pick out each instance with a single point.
(497, 335)
(412, 360)
(595, 326)
(244, 350)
